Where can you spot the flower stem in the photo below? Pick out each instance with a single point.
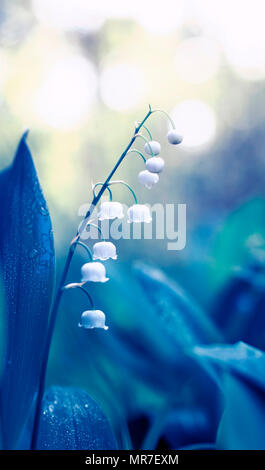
(98, 229)
(127, 186)
(101, 184)
(141, 136)
(75, 285)
(86, 248)
(139, 153)
(167, 115)
(57, 299)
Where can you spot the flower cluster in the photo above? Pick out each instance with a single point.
(154, 164)
(94, 270)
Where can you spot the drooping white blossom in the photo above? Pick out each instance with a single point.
(93, 272)
(174, 137)
(148, 179)
(104, 250)
(155, 164)
(93, 319)
(110, 210)
(154, 145)
(139, 213)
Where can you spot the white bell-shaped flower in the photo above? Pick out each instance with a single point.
(93, 319)
(104, 250)
(155, 146)
(110, 210)
(93, 272)
(148, 179)
(139, 213)
(174, 138)
(155, 164)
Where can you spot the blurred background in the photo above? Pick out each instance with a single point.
(79, 74)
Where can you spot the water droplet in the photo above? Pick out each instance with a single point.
(33, 253)
(44, 210)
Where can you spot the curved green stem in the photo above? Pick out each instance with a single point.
(75, 285)
(86, 248)
(146, 141)
(148, 131)
(139, 153)
(128, 186)
(167, 115)
(101, 184)
(98, 229)
(58, 295)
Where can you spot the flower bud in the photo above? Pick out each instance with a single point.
(104, 250)
(110, 210)
(155, 146)
(93, 272)
(139, 213)
(155, 164)
(174, 138)
(93, 319)
(148, 179)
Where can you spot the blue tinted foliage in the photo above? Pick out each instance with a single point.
(186, 426)
(181, 316)
(240, 359)
(242, 425)
(27, 261)
(239, 306)
(165, 371)
(72, 420)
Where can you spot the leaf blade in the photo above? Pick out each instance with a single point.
(72, 420)
(181, 316)
(27, 260)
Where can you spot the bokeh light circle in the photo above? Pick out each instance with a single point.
(121, 86)
(196, 121)
(197, 59)
(160, 17)
(70, 15)
(66, 96)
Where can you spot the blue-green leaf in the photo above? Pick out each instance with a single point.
(181, 316)
(242, 426)
(72, 420)
(241, 359)
(27, 264)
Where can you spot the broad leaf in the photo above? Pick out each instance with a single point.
(242, 426)
(72, 420)
(187, 426)
(241, 359)
(231, 246)
(27, 263)
(239, 306)
(181, 316)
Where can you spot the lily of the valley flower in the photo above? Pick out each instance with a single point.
(104, 251)
(139, 213)
(174, 138)
(93, 272)
(148, 179)
(154, 145)
(93, 319)
(110, 210)
(155, 164)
